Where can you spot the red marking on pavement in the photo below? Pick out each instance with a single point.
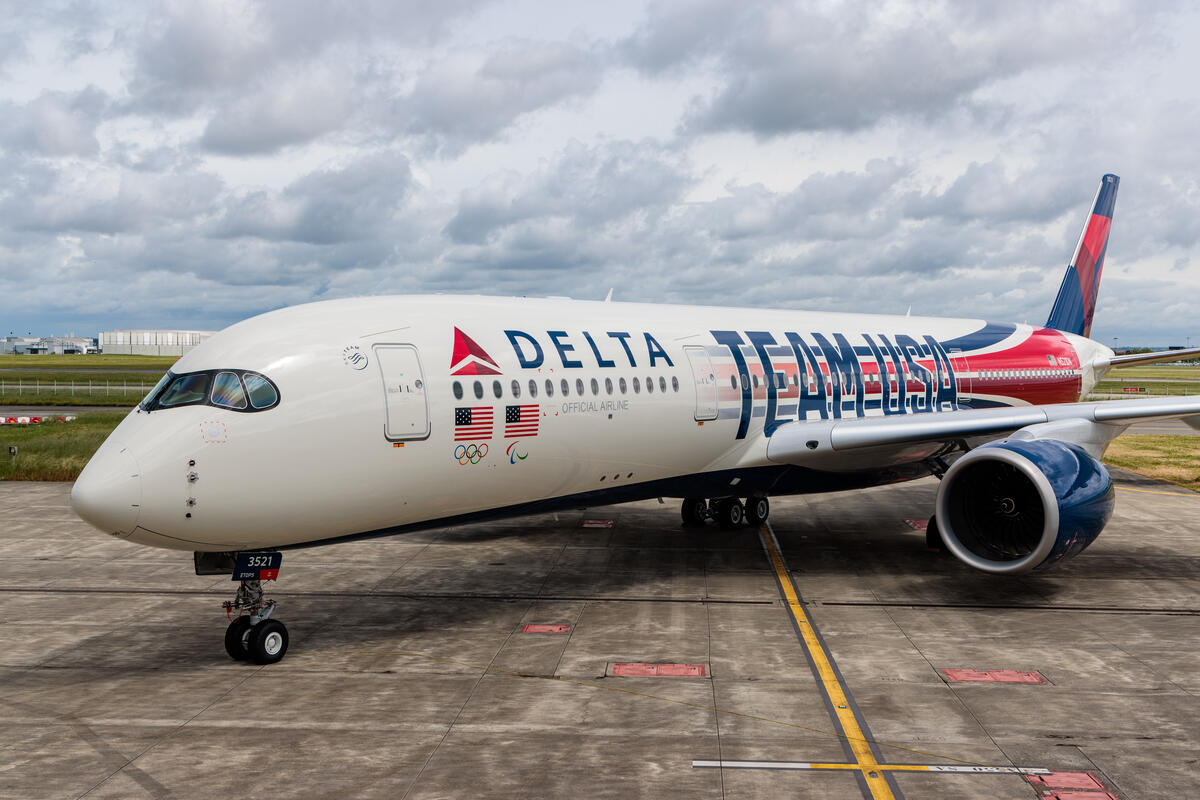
(1066, 780)
(640, 670)
(1085, 795)
(918, 524)
(545, 628)
(597, 523)
(992, 676)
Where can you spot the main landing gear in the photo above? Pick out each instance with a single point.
(729, 512)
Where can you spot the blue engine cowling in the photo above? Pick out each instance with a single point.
(1018, 505)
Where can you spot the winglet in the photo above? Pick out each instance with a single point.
(1076, 302)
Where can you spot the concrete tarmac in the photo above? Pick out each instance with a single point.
(408, 675)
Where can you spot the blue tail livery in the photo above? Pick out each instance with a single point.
(1076, 301)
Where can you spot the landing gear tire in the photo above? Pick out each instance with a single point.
(694, 511)
(757, 511)
(933, 536)
(268, 641)
(237, 639)
(729, 513)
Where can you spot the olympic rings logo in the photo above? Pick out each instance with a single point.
(470, 453)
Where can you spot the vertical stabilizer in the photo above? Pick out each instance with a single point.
(1076, 301)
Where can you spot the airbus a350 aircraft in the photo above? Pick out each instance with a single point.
(370, 417)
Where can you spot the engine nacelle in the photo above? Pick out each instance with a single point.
(1019, 505)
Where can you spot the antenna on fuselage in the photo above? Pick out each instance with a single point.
(608, 297)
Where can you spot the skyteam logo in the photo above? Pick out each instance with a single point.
(469, 358)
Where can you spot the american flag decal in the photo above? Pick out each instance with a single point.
(520, 421)
(472, 423)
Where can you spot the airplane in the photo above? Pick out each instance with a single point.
(355, 418)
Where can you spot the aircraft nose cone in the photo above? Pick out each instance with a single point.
(108, 493)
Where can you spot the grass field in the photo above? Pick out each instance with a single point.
(1156, 380)
(54, 451)
(96, 380)
(1169, 458)
(105, 362)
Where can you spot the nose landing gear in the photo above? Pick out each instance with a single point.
(252, 636)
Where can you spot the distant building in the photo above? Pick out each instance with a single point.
(63, 345)
(17, 344)
(151, 343)
(57, 345)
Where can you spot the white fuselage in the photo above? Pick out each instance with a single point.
(369, 433)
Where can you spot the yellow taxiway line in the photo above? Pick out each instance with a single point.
(860, 746)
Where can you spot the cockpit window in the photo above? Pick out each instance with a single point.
(232, 389)
(186, 390)
(262, 393)
(227, 391)
(158, 387)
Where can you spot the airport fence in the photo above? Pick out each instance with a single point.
(77, 393)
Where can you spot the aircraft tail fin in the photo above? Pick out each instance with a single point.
(1076, 301)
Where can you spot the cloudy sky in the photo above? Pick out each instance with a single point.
(190, 164)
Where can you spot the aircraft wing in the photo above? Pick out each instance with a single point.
(847, 444)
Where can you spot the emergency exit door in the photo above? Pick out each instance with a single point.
(404, 392)
(962, 371)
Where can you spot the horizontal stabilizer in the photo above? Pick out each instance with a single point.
(1133, 359)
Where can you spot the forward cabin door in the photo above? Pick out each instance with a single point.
(403, 391)
(705, 378)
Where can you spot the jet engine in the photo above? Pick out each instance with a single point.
(1022, 504)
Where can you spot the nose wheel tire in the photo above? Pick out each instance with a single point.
(757, 510)
(729, 513)
(237, 637)
(267, 642)
(694, 511)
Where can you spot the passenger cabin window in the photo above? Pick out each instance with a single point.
(532, 388)
(497, 389)
(516, 388)
(457, 390)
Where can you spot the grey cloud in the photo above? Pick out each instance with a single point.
(125, 202)
(789, 68)
(55, 123)
(189, 55)
(286, 111)
(590, 187)
(456, 105)
(359, 201)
